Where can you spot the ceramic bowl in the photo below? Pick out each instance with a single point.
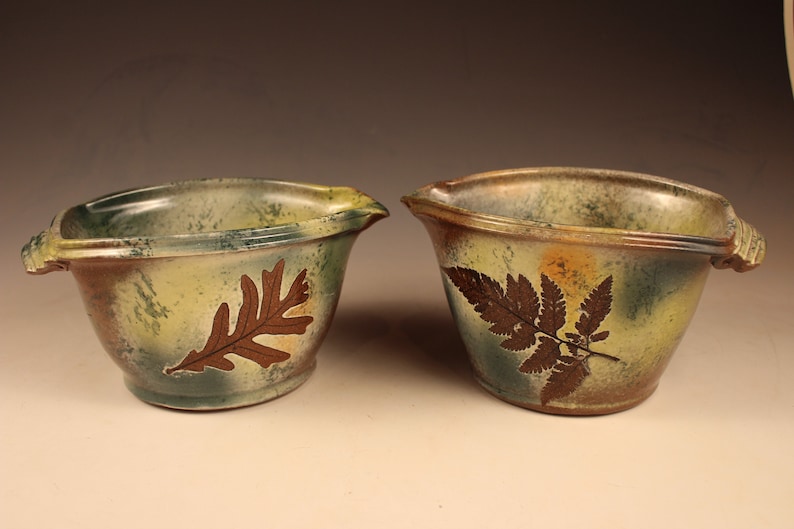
(209, 294)
(571, 287)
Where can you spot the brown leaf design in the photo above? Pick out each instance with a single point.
(595, 308)
(252, 320)
(568, 374)
(552, 317)
(510, 313)
(545, 356)
(528, 322)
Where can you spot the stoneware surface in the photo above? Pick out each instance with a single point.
(213, 293)
(572, 287)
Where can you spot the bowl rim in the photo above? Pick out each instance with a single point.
(421, 203)
(217, 241)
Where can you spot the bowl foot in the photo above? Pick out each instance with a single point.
(594, 408)
(223, 401)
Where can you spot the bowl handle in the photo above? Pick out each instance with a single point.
(39, 255)
(748, 251)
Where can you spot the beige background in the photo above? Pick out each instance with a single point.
(392, 431)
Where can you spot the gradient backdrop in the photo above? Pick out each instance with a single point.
(392, 431)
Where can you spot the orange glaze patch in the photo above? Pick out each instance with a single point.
(573, 268)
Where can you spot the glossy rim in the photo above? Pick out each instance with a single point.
(421, 203)
(336, 223)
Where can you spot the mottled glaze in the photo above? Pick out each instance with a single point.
(155, 267)
(638, 247)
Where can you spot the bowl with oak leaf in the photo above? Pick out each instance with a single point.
(209, 294)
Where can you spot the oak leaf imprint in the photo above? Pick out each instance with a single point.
(254, 319)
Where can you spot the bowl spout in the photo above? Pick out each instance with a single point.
(369, 210)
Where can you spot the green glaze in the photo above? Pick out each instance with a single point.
(655, 239)
(155, 265)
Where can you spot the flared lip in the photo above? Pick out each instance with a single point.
(219, 241)
(422, 203)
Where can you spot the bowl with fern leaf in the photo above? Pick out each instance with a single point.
(572, 287)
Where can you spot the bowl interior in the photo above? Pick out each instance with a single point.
(589, 199)
(204, 206)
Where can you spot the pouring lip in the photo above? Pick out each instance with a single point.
(345, 220)
(425, 202)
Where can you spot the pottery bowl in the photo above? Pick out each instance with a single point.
(571, 288)
(209, 294)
